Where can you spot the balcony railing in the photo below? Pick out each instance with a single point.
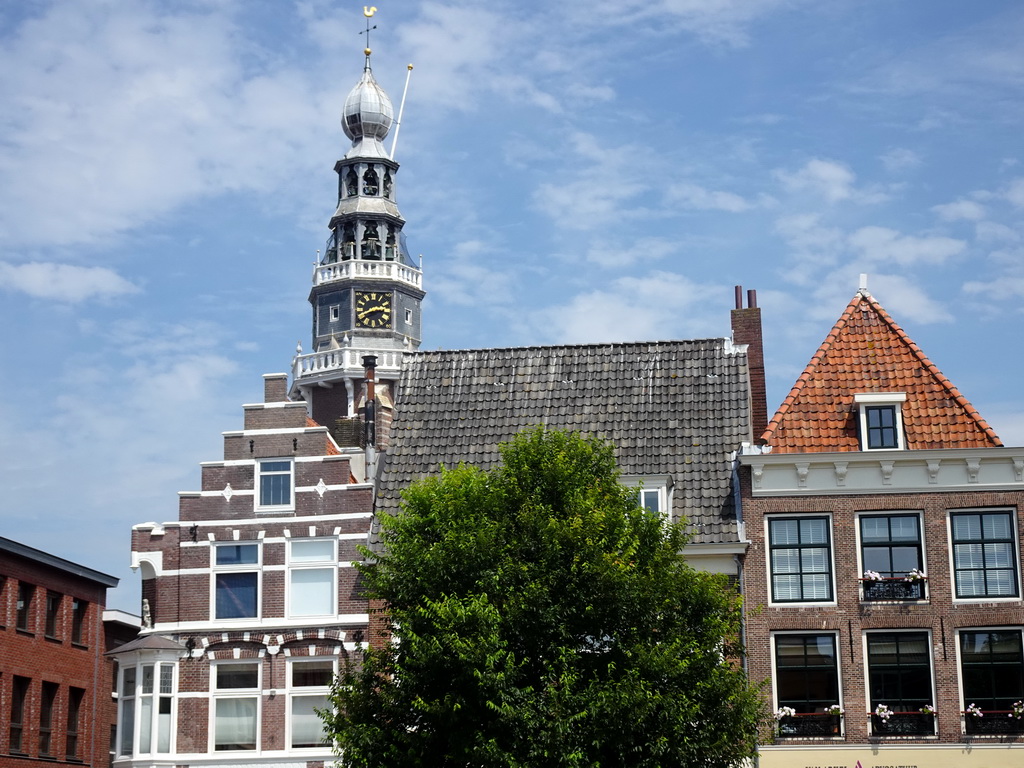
(816, 725)
(903, 724)
(367, 270)
(896, 588)
(994, 723)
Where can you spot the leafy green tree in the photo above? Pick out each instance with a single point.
(540, 618)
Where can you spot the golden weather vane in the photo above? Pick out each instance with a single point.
(368, 11)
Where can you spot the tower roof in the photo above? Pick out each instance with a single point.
(867, 352)
(367, 116)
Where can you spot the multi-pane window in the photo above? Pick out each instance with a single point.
(806, 672)
(882, 426)
(19, 698)
(126, 707)
(992, 664)
(899, 670)
(53, 603)
(309, 685)
(48, 699)
(236, 581)
(79, 610)
(235, 705)
(890, 544)
(275, 483)
(312, 577)
(155, 696)
(75, 698)
(23, 620)
(984, 554)
(800, 558)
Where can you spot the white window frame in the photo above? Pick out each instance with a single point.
(1012, 512)
(218, 694)
(768, 558)
(327, 564)
(295, 692)
(134, 698)
(895, 400)
(839, 670)
(652, 484)
(256, 568)
(258, 484)
(919, 514)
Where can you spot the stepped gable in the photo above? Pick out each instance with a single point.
(331, 448)
(676, 408)
(866, 351)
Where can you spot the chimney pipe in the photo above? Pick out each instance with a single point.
(746, 329)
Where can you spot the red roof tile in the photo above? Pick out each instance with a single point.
(866, 351)
(332, 447)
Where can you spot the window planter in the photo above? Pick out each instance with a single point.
(816, 725)
(904, 724)
(993, 723)
(896, 588)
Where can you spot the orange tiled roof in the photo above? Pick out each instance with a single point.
(866, 351)
(331, 448)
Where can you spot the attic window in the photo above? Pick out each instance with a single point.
(654, 493)
(881, 420)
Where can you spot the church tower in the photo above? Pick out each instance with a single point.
(367, 291)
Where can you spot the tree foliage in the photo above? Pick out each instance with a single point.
(540, 618)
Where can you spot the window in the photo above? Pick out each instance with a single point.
(807, 680)
(236, 582)
(75, 697)
(881, 420)
(309, 684)
(46, 719)
(984, 554)
(335, 313)
(800, 558)
(653, 493)
(236, 704)
(890, 546)
(275, 483)
(900, 677)
(79, 609)
(19, 697)
(992, 667)
(126, 707)
(312, 577)
(154, 703)
(53, 603)
(408, 317)
(24, 618)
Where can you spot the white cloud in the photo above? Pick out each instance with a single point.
(64, 282)
(698, 198)
(1015, 192)
(960, 210)
(907, 300)
(657, 306)
(1000, 290)
(881, 245)
(465, 278)
(829, 178)
(991, 231)
(900, 159)
(616, 254)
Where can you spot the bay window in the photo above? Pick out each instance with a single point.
(145, 708)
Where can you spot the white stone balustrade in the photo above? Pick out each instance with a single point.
(370, 270)
(316, 364)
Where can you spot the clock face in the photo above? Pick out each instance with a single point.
(373, 310)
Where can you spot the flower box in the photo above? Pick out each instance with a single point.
(994, 723)
(816, 725)
(904, 724)
(893, 589)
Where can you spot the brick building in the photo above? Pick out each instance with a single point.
(882, 582)
(55, 703)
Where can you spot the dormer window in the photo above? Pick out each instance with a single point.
(654, 493)
(881, 420)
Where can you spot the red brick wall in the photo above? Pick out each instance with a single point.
(849, 618)
(31, 655)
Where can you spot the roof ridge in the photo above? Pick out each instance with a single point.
(811, 366)
(933, 369)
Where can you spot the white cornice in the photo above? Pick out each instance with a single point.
(862, 472)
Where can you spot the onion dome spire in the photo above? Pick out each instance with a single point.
(368, 113)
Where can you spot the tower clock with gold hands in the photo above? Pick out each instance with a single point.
(373, 309)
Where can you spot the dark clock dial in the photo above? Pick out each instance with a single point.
(373, 309)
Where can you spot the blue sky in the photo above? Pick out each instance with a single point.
(571, 172)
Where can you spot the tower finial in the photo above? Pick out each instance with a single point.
(368, 11)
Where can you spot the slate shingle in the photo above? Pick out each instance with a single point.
(675, 408)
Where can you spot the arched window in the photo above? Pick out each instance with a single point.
(371, 183)
(387, 184)
(348, 243)
(371, 242)
(351, 183)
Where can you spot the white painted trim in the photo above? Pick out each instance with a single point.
(867, 671)
(768, 560)
(880, 398)
(839, 669)
(952, 563)
(263, 520)
(262, 625)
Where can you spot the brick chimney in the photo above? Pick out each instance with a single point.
(746, 329)
(275, 387)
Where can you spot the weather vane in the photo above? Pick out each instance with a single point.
(368, 11)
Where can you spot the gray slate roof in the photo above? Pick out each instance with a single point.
(676, 408)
